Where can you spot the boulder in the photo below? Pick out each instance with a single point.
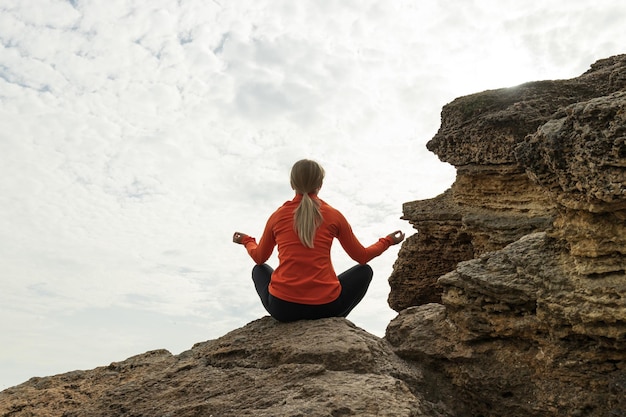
(326, 367)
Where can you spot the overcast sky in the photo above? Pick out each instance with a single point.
(137, 136)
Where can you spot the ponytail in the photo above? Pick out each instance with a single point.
(307, 219)
(306, 178)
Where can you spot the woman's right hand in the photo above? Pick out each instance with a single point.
(396, 237)
(238, 237)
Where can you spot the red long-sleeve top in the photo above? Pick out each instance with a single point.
(306, 275)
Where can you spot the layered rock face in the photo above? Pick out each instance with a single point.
(493, 201)
(535, 325)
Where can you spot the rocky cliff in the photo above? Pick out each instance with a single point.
(506, 184)
(511, 296)
(532, 321)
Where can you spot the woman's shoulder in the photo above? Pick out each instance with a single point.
(286, 208)
(327, 208)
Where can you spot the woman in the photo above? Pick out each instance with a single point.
(304, 285)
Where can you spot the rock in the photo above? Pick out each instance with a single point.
(483, 128)
(439, 246)
(502, 143)
(535, 324)
(520, 335)
(309, 368)
(581, 160)
(423, 333)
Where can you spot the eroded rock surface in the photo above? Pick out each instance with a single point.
(520, 334)
(309, 368)
(495, 199)
(535, 324)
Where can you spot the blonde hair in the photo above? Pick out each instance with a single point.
(307, 177)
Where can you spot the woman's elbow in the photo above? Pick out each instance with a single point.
(259, 259)
(362, 260)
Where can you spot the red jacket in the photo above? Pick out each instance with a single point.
(306, 275)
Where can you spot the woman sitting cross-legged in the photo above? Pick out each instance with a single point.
(305, 285)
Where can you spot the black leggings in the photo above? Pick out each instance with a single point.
(354, 284)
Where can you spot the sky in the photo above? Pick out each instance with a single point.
(137, 136)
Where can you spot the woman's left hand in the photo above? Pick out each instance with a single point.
(396, 237)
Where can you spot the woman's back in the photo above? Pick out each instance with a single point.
(305, 285)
